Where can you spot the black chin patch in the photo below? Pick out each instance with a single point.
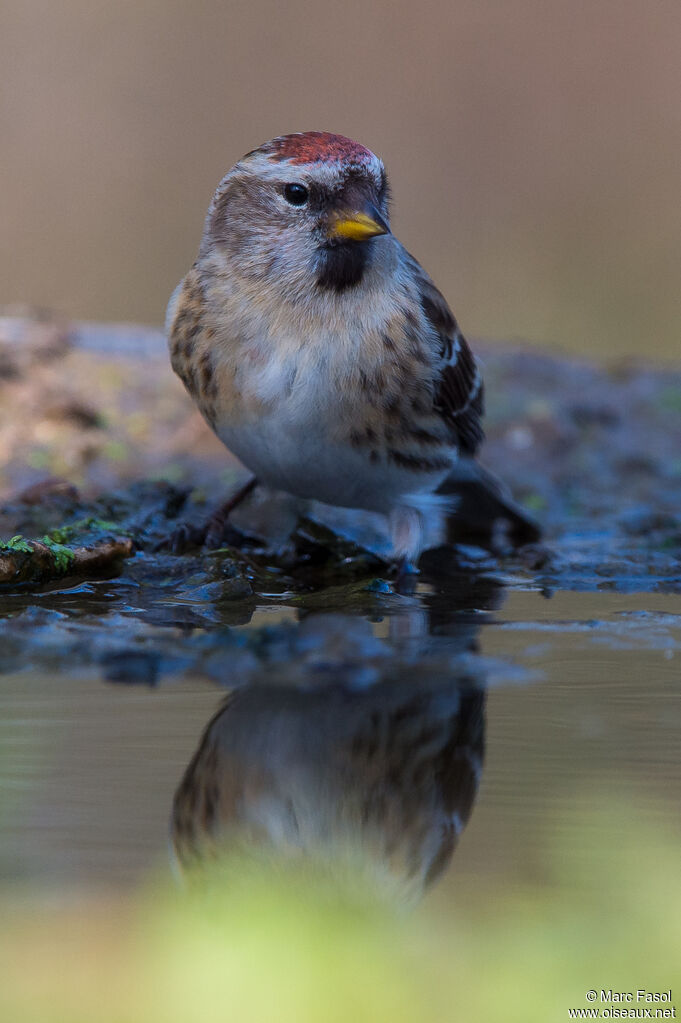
(342, 266)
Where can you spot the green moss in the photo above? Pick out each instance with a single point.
(90, 524)
(63, 556)
(17, 543)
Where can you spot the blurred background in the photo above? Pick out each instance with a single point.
(534, 149)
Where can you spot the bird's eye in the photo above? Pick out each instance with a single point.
(296, 194)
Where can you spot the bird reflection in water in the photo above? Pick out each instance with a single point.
(370, 784)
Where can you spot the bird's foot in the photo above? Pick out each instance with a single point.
(405, 577)
(212, 533)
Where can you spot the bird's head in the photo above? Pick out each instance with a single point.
(303, 210)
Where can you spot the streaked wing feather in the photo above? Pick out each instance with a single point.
(459, 395)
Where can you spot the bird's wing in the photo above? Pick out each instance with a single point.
(459, 393)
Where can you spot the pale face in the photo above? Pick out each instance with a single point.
(301, 212)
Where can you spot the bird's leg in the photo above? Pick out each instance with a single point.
(406, 531)
(215, 527)
(406, 575)
(211, 532)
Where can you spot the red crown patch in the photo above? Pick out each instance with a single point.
(316, 147)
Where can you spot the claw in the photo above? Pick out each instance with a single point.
(212, 533)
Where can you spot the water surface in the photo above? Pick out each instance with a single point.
(580, 699)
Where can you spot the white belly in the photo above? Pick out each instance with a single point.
(297, 457)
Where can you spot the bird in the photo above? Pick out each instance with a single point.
(376, 780)
(323, 355)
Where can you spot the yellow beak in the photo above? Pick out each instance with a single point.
(358, 225)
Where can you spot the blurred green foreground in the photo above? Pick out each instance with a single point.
(256, 945)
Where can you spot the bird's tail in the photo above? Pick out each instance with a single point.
(485, 509)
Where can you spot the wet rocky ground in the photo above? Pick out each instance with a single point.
(103, 457)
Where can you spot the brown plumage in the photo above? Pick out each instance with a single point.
(379, 780)
(319, 350)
